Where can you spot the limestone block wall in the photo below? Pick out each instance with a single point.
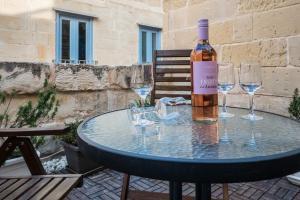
(263, 31)
(27, 28)
(83, 90)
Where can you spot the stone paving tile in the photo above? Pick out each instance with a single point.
(106, 185)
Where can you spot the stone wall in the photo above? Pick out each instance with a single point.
(82, 90)
(27, 28)
(264, 31)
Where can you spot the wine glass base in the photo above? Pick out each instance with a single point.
(226, 115)
(252, 117)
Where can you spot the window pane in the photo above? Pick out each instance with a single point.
(144, 46)
(82, 41)
(153, 41)
(65, 43)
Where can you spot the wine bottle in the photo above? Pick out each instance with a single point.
(204, 70)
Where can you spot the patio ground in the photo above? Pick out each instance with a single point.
(106, 185)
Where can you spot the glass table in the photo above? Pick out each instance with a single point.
(182, 150)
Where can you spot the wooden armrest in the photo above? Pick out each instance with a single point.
(14, 132)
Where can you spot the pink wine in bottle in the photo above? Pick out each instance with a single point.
(204, 70)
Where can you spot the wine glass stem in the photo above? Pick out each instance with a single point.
(224, 108)
(143, 108)
(251, 98)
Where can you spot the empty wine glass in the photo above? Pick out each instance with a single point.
(226, 83)
(250, 82)
(141, 83)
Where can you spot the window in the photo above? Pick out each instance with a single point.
(149, 40)
(74, 39)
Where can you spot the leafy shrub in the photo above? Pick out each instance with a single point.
(70, 137)
(139, 103)
(294, 108)
(30, 114)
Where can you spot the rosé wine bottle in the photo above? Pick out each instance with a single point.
(204, 70)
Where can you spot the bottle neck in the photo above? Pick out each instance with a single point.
(203, 41)
(203, 34)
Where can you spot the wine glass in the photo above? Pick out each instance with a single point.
(226, 82)
(250, 82)
(141, 84)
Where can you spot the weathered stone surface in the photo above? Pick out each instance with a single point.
(273, 52)
(294, 51)
(173, 4)
(191, 34)
(85, 77)
(13, 22)
(266, 52)
(273, 104)
(283, 3)
(119, 99)
(15, 37)
(280, 81)
(214, 10)
(81, 104)
(193, 2)
(245, 6)
(23, 78)
(277, 23)
(221, 33)
(242, 28)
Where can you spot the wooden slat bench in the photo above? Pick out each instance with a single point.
(52, 187)
(38, 186)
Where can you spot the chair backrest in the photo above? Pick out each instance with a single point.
(171, 74)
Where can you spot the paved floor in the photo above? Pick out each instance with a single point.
(106, 185)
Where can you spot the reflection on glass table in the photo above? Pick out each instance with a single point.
(177, 138)
(196, 150)
(225, 136)
(251, 143)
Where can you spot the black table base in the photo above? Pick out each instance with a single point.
(203, 191)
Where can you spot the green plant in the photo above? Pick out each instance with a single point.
(30, 114)
(138, 102)
(70, 137)
(294, 108)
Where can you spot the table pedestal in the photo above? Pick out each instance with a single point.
(175, 190)
(203, 191)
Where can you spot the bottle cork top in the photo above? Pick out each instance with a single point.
(203, 23)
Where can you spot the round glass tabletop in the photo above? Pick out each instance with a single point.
(183, 138)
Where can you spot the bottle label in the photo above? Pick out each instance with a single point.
(205, 77)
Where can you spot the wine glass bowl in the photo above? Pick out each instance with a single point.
(143, 91)
(250, 81)
(250, 88)
(226, 82)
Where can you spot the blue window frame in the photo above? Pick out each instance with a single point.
(149, 40)
(74, 39)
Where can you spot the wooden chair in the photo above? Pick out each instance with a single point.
(39, 185)
(171, 74)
